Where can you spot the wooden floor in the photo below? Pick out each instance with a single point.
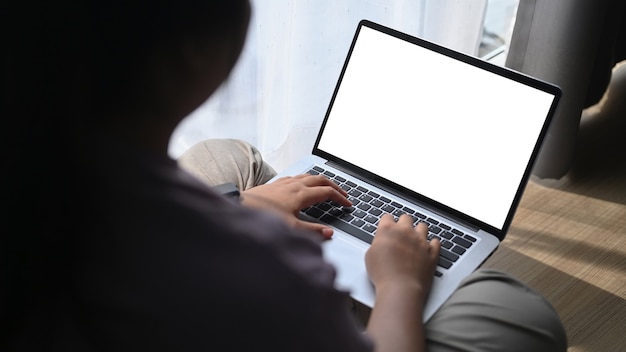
(568, 241)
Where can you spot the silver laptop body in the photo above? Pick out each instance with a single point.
(423, 129)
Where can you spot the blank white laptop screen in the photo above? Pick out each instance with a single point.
(445, 129)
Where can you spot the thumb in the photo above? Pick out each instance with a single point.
(325, 231)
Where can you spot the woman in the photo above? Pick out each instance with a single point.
(124, 250)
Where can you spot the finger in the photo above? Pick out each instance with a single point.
(325, 231)
(435, 248)
(314, 195)
(320, 180)
(386, 220)
(406, 220)
(422, 228)
(341, 198)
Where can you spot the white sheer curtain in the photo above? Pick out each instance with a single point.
(279, 91)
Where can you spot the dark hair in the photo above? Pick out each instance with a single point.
(63, 62)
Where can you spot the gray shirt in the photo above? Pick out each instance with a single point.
(167, 264)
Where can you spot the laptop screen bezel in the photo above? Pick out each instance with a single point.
(410, 195)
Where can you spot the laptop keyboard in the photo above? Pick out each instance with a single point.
(361, 219)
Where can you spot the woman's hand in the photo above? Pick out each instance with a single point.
(401, 264)
(289, 195)
(401, 253)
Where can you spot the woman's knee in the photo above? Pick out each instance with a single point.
(494, 311)
(217, 161)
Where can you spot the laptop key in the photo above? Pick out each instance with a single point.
(444, 263)
(369, 228)
(373, 194)
(377, 203)
(398, 212)
(448, 255)
(355, 193)
(340, 179)
(447, 235)
(314, 212)
(365, 198)
(347, 217)
(420, 215)
(357, 222)
(432, 221)
(462, 242)
(371, 219)
(375, 212)
(457, 232)
(345, 227)
(388, 209)
(364, 206)
(358, 213)
(446, 244)
(336, 212)
(458, 250)
(469, 238)
(324, 206)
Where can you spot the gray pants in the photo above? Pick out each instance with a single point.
(490, 311)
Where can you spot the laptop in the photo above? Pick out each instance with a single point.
(414, 127)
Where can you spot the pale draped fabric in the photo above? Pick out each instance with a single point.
(280, 88)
